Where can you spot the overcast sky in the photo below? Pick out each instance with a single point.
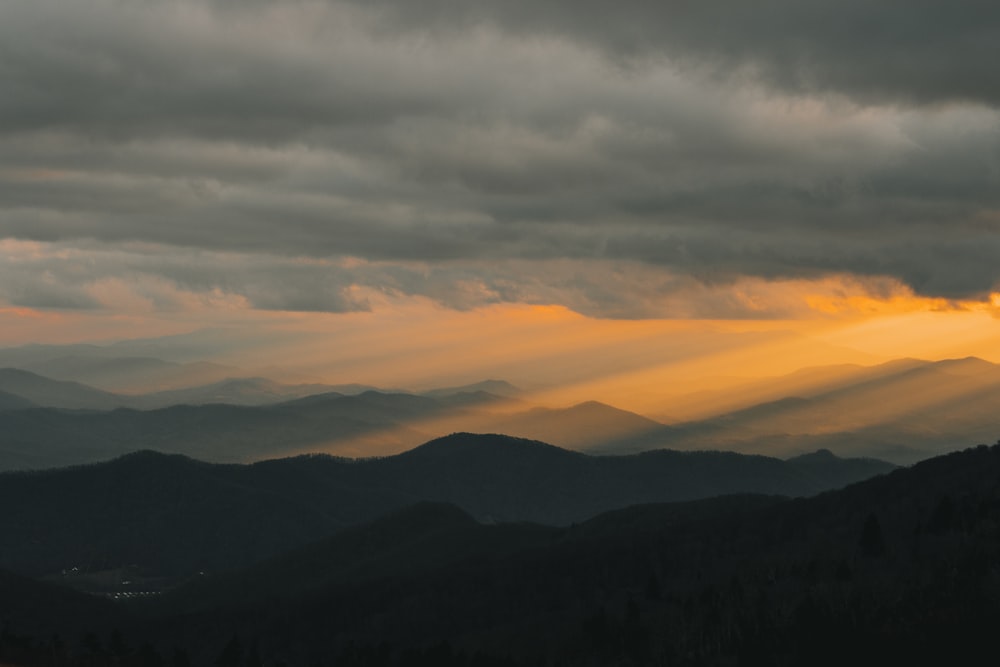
(629, 159)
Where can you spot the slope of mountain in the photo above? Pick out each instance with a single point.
(367, 424)
(804, 383)
(128, 375)
(591, 426)
(904, 411)
(494, 387)
(419, 538)
(10, 401)
(168, 514)
(125, 367)
(901, 567)
(173, 516)
(818, 581)
(36, 608)
(230, 391)
(45, 392)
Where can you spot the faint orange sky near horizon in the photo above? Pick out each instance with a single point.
(560, 355)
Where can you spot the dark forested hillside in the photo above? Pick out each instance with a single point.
(171, 516)
(900, 569)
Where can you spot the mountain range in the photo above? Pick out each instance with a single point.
(173, 516)
(904, 411)
(901, 411)
(898, 567)
(217, 516)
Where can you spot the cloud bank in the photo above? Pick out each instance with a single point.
(624, 160)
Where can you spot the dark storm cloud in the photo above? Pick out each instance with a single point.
(444, 142)
(900, 50)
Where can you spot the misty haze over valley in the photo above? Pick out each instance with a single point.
(90, 408)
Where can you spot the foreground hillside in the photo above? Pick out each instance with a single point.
(171, 516)
(900, 569)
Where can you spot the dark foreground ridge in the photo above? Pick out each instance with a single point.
(168, 516)
(900, 569)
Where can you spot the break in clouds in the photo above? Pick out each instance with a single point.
(606, 156)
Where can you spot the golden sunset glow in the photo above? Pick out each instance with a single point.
(394, 197)
(658, 367)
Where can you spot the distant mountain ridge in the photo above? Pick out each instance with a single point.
(904, 410)
(589, 426)
(204, 422)
(45, 392)
(901, 411)
(114, 368)
(494, 387)
(10, 401)
(245, 391)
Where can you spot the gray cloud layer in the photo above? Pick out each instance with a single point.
(900, 50)
(714, 140)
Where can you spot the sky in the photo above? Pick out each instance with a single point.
(603, 197)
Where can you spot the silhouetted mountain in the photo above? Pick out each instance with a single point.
(897, 569)
(167, 514)
(10, 401)
(423, 537)
(804, 382)
(904, 411)
(367, 424)
(590, 426)
(353, 389)
(125, 367)
(483, 408)
(230, 391)
(818, 581)
(45, 392)
(124, 374)
(834, 472)
(494, 387)
(172, 516)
